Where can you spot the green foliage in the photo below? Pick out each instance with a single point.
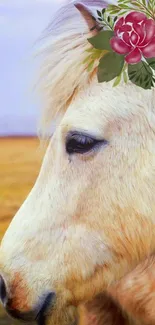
(141, 75)
(151, 63)
(110, 66)
(123, 75)
(93, 56)
(105, 19)
(102, 40)
(117, 80)
(124, 6)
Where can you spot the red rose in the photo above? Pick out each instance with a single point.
(134, 37)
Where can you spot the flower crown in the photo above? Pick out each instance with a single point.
(125, 44)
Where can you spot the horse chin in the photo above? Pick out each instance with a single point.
(50, 321)
(67, 317)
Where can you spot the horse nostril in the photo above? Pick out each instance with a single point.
(3, 292)
(38, 313)
(47, 302)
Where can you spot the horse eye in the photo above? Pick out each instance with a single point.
(80, 143)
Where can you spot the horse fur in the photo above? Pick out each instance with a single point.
(130, 301)
(89, 219)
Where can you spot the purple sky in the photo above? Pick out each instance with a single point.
(21, 23)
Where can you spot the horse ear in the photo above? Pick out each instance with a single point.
(89, 15)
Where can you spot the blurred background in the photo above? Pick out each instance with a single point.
(21, 25)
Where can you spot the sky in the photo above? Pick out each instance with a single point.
(21, 24)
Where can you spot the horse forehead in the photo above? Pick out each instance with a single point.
(88, 110)
(100, 107)
(104, 100)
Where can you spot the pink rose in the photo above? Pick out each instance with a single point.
(134, 37)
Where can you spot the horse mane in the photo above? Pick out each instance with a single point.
(63, 50)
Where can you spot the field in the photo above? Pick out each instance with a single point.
(20, 160)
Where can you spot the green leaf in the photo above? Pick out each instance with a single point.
(117, 81)
(102, 40)
(90, 66)
(151, 63)
(87, 59)
(144, 2)
(125, 76)
(90, 50)
(149, 5)
(110, 66)
(141, 74)
(103, 11)
(99, 13)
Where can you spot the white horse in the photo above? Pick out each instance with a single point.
(90, 217)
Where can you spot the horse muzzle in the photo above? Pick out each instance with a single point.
(38, 313)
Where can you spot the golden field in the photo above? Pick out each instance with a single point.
(20, 160)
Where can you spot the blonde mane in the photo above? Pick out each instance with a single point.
(63, 51)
